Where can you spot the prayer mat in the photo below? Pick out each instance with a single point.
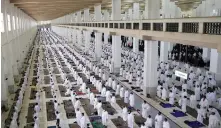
(178, 113)
(193, 124)
(166, 105)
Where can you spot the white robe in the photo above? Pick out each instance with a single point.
(199, 115)
(99, 109)
(124, 114)
(126, 96)
(14, 124)
(166, 124)
(83, 122)
(103, 92)
(193, 101)
(92, 98)
(145, 109)
(164, 94)
(77, 104)
(78, 117)
(131, 98)
(184, 103)
(121, 92)
(104, 117)
(118, 90)
(149, 122)
(213, 122)
(171, 99)
(158, 121)
(130, 120)
(108, 96)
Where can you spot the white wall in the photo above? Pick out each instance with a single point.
(15, 43)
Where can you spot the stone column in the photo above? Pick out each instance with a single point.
(98, 45)
(150, 67)
(130, 14)
(87, 36)
(97, 13)
(136, 11)
(215, 63)
(106, 38)
(116, 52)
(152, 9)
(135, 45)
(106, 15)
(116, 10)
(86, 15)
(206, 53)
(163, 51)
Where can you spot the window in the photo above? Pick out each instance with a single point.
(9, 23)
(2, 23)
(13, 22)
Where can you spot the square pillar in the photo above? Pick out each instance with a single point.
(130, 14)
(150, 67)
(87, 36)
(215, 63)
(79, 16)
(116, 9)
(106, 15)
(116, 52)
(152, 9)
(163, 51)
(86, 15)
(98, 45)
(97, 13)
(206, 54)
(136, 11)
(135, 45)
(106, 38)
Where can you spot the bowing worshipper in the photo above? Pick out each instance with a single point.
(99, 108)
(118, 89)
(122, 92)
(108, 96)
(73, 97)
(103, 92)
(37, 108)
(113, 99)
(193, 101)
(143, 125)
(158, 120)
(95, 101)
(126, 96)
(104, 118)
(159, 90)
(219, 102)
(77, 104)
(164, 94)
(56, 105)
(214, 122)
(83, 121)
(171, 97)
(83, 88)
(78, 116)
(149, 122)
(36, 124)
(131, 99)
(58, 115)
(130, 120)
(68, 91)
(124, 113)
(166, 123)
(14, 123)
(92, 98)
(145, 108)
(212, 109)
(114, 84)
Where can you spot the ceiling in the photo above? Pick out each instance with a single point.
(43, 10)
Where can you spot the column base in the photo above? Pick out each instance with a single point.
(152, 91)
